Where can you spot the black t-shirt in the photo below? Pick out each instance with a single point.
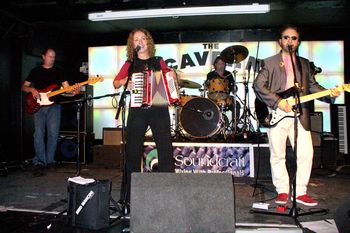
(152, 63)
(41, 77)
(228, 75)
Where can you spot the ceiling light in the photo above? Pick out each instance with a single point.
(178, 12)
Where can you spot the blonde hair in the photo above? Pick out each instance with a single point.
(130, 43)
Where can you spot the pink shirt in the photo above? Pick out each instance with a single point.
(289, 72)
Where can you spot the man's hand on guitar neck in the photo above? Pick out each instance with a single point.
(75, 88)
(335, 92)
(284, 105)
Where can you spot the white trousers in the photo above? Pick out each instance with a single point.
(277, 140)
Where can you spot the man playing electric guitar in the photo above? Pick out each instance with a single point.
(47, 118)
(277, 76)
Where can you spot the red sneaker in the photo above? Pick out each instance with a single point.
(306, 200)
(282, 198)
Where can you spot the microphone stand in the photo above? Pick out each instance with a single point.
(79, 103)
(294, 210)
(297, 109)
(125, 208)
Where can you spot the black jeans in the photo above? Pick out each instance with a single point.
(158, 118)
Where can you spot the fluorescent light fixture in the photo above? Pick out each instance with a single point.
(178, 12)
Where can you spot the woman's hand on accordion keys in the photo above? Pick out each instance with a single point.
(131, 85)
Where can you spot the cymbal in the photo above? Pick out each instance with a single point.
(188, 84)
(234, 54)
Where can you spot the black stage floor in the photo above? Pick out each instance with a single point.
(33, 204)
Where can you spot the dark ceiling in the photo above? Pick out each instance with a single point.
(22, 17)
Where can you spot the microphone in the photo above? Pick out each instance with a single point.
(249, 65)
(289, 47)
(317, 70)
(138, 47)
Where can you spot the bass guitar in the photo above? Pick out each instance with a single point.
(33, 104)
(269, 118)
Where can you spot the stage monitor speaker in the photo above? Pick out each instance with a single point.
(67, 147)
(182, 202)
(342, 216)
(69, 121)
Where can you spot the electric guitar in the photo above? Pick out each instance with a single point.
(269, 118)
(33, 104)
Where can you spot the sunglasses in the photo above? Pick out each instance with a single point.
(290, 37)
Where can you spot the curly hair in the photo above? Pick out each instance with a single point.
(130, 43)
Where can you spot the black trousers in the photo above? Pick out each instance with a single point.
(158, 118)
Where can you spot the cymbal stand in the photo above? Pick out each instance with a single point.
(177, 127)
(247, 125)
(235, 121)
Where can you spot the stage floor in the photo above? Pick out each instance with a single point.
(30, 204)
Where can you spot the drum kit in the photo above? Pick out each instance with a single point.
(203, 116)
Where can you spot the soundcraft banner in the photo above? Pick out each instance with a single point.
(236, 159)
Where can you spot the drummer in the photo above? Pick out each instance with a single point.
(221, 72)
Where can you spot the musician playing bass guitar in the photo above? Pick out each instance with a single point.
(46, 118)
(275, 77)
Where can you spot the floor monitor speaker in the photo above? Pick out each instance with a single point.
(182, 202)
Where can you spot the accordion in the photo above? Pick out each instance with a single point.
(144, 88)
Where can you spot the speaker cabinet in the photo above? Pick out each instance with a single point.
(316, 119)
(69, 110)
(67, 147)
(262, 167)
(88, 205)
(182, 202)
(112, 136)
(342, 216)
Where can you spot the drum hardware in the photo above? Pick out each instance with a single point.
(202, 92)
(178, 133)
(233, 55)
(247, 125)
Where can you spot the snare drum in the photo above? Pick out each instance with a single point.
(218, 88)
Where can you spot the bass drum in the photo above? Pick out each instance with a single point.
(201, 118)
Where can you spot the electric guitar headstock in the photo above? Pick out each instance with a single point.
(345, 87)
(93, 80)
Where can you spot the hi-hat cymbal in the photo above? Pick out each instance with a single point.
(188, 84)
(234, 54)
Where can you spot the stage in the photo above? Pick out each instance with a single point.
(32, 204)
